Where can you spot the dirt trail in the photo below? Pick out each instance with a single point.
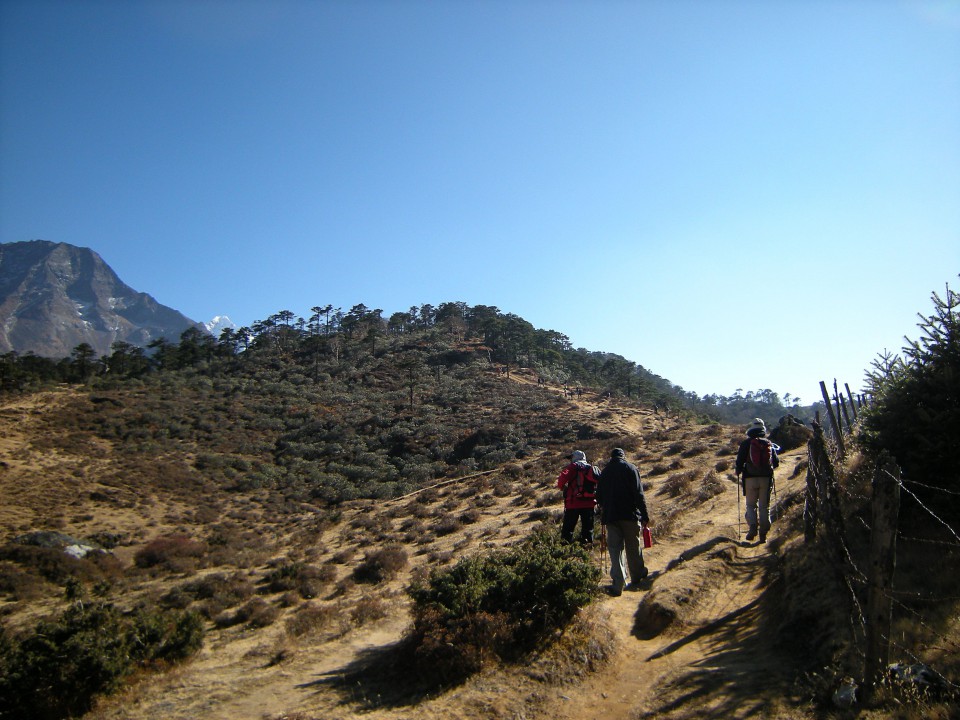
(713, 660)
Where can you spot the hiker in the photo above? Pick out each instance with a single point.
(624, 513)
(756, 460)
(578, 481)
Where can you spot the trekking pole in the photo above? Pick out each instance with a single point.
(776, 500)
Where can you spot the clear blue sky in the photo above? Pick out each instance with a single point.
(732, 194)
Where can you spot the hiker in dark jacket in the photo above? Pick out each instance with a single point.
(757, 480)
(578, 480)
(623, 512)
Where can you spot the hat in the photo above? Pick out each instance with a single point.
(578, 456)
(618, 453)
(757, 427)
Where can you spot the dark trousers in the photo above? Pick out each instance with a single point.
(570, 517)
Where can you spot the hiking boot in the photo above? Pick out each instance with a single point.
(763, 538)
(615, 590)
(752, 534)
(635, 581)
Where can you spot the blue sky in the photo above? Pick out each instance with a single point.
(734, 194)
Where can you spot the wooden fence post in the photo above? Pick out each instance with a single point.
(843, 406)
(853, 405)
(883, 561)
(833, 420)
(836, 402)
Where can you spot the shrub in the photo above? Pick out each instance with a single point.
(500, 604)
(380, 565)
(312, 619)
(447, 524)
(217, 591)
(368, 609)
(678, 484)
(307, 580)
(176, 553)
(56, 671)
(56, 566)
(256, 612)
(694, 450)
(710, 486)
(18, 584)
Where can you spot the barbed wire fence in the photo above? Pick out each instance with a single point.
(877, 603)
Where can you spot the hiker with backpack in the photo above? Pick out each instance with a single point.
(756, 460)
(578, 481)
(624, 514)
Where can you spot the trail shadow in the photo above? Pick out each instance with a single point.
(658, 611)
(740, 673)
(697, 550)
(710, 628)
(378, 677)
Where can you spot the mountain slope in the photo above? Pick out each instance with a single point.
(55, 296)
(692, 629)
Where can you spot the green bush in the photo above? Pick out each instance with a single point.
(502, 604)
(913, 411)
(56, 671)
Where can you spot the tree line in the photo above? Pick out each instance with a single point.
(331, 333)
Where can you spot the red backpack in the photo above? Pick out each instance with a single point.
(584, 485)
(760, 461)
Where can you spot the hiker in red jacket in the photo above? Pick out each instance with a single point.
(756, 461)
(578, 480)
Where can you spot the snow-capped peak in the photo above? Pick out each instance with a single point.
(219, 324)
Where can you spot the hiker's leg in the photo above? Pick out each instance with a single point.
(631, 541)
(763, 495)
(586, 525)
(615, 548)
(751, 495)
(569, 523)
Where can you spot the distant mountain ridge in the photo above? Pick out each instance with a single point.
(55, 296)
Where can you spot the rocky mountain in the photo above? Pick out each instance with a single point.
(55, 296)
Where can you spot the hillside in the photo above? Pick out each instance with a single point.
(286, 497)
(689, 642)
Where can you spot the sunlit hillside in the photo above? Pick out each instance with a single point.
(245, 520)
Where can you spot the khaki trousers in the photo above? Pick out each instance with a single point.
(756, 490)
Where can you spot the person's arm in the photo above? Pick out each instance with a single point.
(742, 453)
(641, 500)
